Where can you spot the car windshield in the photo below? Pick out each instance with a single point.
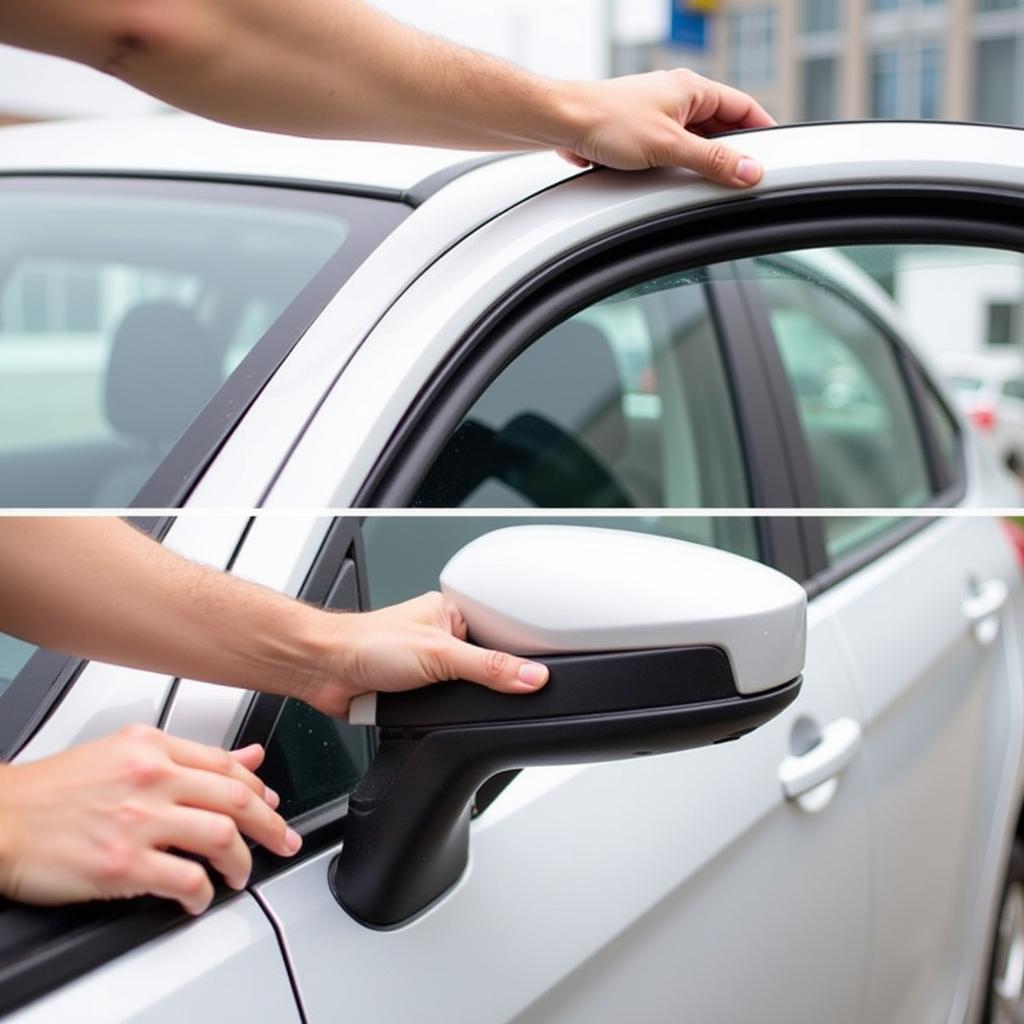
(126, 306)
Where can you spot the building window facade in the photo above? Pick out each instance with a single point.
(819, 89)
(907, 80)
(752, 45)
(819, 16)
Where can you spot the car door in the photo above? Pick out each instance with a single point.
(141, 960)
(683, 884)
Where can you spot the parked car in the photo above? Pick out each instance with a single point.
(989, 388)
(843, 862)
(194, 315)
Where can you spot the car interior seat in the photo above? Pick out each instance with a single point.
(161, 372)
(550, 428)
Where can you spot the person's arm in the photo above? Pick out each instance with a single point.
(97, 588)
(99, 821)
(343, 69)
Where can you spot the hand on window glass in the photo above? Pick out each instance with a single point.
(97, 821)
(406, 646)
(662, 119)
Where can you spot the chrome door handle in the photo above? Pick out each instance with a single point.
(981, 610)
(839, 743)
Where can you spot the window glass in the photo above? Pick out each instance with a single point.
(996, 77)
(1003, 323)
(819, 15)
(820, 101)
(14, 656)
(121, 315)
(907, 81)
(1014, 388)
(850, 393)
(962, 383)
(626, 404)
(946, 433)
(752, 48)
(313, 759)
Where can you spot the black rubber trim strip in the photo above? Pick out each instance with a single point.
(37, 690)
(736, 228)
(581, 684)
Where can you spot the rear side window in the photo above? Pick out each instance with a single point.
(125, 306)
(626, 404)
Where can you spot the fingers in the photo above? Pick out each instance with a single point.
(729, 106)
(493, 669)
(236, 765)
(210, 835)
(232, 797)
(174, 878)
(573, 158)
(717, 162)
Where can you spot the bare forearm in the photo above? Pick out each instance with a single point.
(331, 68)
(98, 588)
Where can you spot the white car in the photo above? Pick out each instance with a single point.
(989, 388)
(194, 315)
(843, 862)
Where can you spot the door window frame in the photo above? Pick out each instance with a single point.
(757, 225)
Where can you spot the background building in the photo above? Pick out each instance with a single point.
(814, 60)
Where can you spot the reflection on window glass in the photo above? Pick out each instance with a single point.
(14, 656)
(404, 557)
(120, 317)
(845, 535)
(313, 759)
(851, 396)
(626, 404)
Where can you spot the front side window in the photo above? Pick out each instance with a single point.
(626, 404)
(124, 309)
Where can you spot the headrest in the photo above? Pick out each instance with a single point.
(570, 378)
(161, 372)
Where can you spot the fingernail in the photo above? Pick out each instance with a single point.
(292, 840)
(238, 883)
(271, 797)
(532, 674)
(748, 171)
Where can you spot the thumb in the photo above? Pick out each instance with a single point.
(718, 162)
(493, 669)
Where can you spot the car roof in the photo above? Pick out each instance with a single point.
(181, 144)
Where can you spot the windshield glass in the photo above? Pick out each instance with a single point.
(126, 306)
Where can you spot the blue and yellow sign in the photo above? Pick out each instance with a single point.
(689, 22)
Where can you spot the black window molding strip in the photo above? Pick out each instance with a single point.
(737, 228)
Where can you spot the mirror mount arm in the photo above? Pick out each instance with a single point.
(407, 832)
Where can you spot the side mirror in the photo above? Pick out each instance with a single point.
(654, 645)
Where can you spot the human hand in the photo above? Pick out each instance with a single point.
(662, 119)
(96, 822)
(407, 646)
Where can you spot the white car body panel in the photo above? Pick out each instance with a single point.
(936, 728)
(225, 966)
(401, 353)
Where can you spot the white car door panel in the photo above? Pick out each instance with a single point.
(936, 731)
(631, 890)
(225, 966)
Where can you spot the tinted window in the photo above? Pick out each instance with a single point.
(626, 404)
(313, 759)
(124, 308)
